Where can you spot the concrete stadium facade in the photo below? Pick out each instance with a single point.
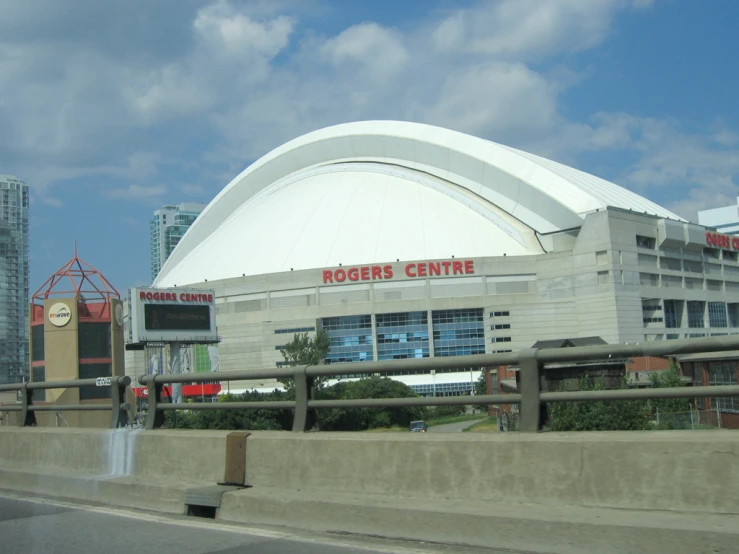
(405, 240)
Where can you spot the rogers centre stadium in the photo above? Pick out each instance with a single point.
(406, 240)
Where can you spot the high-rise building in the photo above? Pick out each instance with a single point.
(724, 220)
(14, 357)
(166, 229)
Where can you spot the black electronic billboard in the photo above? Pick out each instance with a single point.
(176, 317)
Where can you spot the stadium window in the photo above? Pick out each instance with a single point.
(645, 242)
(696, 310)
(717, 314)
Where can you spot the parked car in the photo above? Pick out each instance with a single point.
(419, 427)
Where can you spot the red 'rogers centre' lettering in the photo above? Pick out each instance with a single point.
(157, 296)
(722, 241)
(413, 270)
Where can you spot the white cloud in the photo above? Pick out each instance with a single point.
(134, 192)
(527, 29)
(697, 170)
(193, 190)
(494, 99)
(232, 50)
(367, 47)
(229, 32)
(235, 79)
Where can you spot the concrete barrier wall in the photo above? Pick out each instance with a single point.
(189, 456)
(78, 450)
(692, 471)
(683, 471)
(180, 456)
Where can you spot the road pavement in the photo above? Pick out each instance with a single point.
(40, 526)
(453, 427)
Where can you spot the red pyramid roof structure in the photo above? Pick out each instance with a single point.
(80, 279)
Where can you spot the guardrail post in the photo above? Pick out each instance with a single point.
(154, 416)
(27, 417)
(303, 387)
(118, 407)
(530, 389)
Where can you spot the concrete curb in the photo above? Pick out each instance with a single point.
(125, 492)
(530, 528)
(555, 530)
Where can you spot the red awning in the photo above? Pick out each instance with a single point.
(209, 389)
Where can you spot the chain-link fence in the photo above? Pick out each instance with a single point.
(694, 419)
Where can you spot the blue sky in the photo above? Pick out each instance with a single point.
(111, 109)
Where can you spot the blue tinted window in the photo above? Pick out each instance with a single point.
(402, 335)
(351, 338)
(458, 332)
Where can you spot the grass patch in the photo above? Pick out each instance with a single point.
(487, 425)
(386, 430)
(453, 419)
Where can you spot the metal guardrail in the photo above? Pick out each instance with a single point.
(117, 407)
(531, 363)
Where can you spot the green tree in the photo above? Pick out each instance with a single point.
(670, 413)
(481, 384)
(360, 419)
(305, 350)
(628, 415)
(256, 420)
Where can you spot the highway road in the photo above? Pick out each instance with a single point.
(41, 526)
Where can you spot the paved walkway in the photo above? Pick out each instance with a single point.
(453, 427)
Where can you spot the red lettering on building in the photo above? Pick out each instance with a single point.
(374, 272)
(722, 241)
(160, 296)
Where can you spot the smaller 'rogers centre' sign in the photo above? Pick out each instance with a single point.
(389, 271)
(159, 296)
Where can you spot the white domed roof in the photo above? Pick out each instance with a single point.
(374, 192)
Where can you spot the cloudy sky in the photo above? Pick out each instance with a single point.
(109, 110)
